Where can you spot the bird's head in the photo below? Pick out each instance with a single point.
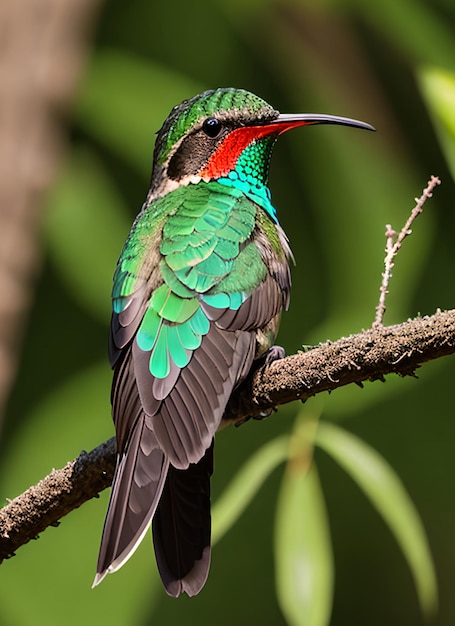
(222, 133)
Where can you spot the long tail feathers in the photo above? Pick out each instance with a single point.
(181, 528)
(138, 482)
(181, 520)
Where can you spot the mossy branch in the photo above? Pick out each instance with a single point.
(367, 356)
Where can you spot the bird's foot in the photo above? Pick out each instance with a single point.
(275, 353)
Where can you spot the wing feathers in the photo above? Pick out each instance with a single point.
(138, 482)
(126, 403)
(125, 324)
(201, 393)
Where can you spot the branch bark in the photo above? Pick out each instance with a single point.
(369, 355)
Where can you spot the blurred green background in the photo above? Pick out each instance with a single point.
(390, 63)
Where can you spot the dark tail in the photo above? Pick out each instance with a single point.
(181, 527)
(136, 489)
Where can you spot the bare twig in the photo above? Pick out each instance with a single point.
(369, 355)
(393, 248)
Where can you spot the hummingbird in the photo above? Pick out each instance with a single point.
(197, 297)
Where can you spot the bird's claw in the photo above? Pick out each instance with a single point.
(275, 353)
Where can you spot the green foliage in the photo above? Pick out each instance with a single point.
(303, 553)
(85, 227)
(386, 492)
(438, 88)
(118, 103)
(304, 567)
(335, 189)
(244, 486)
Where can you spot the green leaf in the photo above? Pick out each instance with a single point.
(385, 490)
(85, 226)
(231, 504)
(303, 553)
(438, 89)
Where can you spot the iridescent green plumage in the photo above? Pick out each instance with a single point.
(204, 260)
(198, 293)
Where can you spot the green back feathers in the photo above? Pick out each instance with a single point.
(204, 260)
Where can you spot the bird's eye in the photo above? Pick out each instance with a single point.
(212, 127)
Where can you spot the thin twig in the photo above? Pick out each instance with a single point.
(393, 248)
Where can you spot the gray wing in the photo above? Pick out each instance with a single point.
(138, 479)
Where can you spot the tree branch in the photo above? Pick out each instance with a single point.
(369, 355)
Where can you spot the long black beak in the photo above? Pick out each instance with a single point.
(288, 120)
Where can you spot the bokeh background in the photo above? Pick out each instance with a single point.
(388, 63)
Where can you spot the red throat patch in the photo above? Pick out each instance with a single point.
(225, 158)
